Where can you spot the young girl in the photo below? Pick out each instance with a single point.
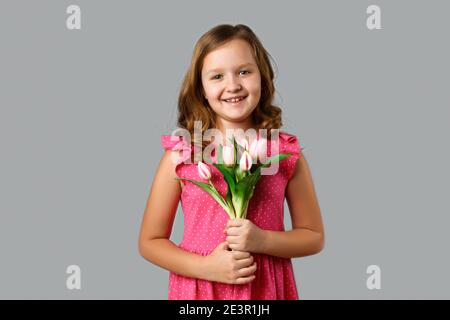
(220, 258)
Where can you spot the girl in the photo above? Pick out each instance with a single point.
(220, 258)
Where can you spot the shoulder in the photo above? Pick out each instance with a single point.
(287, 137)
(166, 168)
(173, 142)
(174, 147)
(166, 172)
(289, 142)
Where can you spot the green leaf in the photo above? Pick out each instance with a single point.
(229, 178)
(238, 174)
(228, 174)
(213, 193)
(220, 155)
(230, 203)
(276, 158)
(235, 149)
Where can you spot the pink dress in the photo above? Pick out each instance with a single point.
(205, 220)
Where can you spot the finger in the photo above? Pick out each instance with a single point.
(235, 222)
(234, 246)
(244, 263)
(245, 272)
(244, 280)
(232, 239)
(233, 231)
(238, 255)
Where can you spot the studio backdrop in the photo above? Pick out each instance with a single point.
(87, 88)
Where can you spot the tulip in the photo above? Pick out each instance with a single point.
(243, 143)
(262, 149)
(203, 170)
(254, 149)
(246, 161)
(240, 181)
(258, 149)
(228, 155)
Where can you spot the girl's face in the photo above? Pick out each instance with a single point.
(231, 71)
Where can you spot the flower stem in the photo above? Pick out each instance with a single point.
(222, 202)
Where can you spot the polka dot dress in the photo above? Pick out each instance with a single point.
(205, 220)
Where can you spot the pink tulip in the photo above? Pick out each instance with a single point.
(243, 143)
(228, 155)
(246, 161)
(203, 170)
(254, 149)
(262, 149)
(258, 149)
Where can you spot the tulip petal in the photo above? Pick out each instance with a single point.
(203, 171)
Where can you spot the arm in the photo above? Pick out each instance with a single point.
(157, 222)
(307, 236)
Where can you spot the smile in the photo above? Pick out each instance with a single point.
(235, 101)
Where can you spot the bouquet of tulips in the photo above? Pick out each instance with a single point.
(241, 177)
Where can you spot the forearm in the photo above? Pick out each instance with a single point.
(290, 244)
(167, 255)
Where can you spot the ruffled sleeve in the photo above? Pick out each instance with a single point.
(289, 144)
(177, 143)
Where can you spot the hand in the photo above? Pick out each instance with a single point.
(232, 267)
(243, 235)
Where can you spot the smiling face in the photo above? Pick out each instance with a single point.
(231, 71)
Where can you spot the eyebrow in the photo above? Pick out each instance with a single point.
(241, 66)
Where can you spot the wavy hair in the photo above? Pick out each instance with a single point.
(193, 106)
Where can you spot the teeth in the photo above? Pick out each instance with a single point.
(234, 100)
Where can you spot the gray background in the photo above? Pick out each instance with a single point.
(82, 113)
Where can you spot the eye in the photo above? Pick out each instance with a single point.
(215, 77)
(245, 71)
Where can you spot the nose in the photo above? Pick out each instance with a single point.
(234, 84)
